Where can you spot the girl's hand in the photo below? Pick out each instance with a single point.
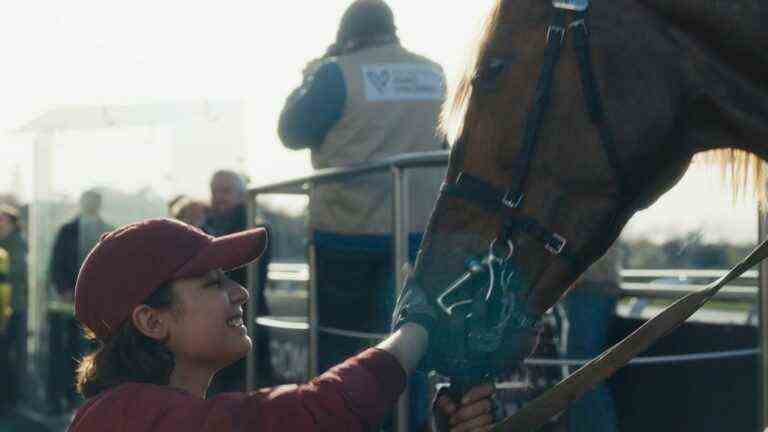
(474, 413)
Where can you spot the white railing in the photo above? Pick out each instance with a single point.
(651, 283)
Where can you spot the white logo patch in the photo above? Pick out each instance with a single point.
(402, 81)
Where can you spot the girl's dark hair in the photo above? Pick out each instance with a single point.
(128, 355)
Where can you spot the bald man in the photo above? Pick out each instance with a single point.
(228, 192)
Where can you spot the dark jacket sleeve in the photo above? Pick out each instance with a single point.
(313, 108)
(353, 396)
(17, 275)
(64, 258)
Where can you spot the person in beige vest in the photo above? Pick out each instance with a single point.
(367, 98)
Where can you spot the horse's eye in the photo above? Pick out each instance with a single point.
(488, 75)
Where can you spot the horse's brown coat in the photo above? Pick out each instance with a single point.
(677, 77)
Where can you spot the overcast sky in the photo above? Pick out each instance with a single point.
(118, 52)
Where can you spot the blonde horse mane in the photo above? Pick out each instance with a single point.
(745, 171)
(453, 116)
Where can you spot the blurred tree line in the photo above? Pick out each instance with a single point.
(687, 250)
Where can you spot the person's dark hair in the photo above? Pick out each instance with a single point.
(11, 212)
(128, 356)
(238, 180)
(365, 20)
(175, 200)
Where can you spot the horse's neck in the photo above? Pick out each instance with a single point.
(734, 29)
(722, 50)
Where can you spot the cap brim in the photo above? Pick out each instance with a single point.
(227, 253)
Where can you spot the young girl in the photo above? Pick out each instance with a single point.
(166, 317)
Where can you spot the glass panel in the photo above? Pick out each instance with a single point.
(287, 286)
(93, 176)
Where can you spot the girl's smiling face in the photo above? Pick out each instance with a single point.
(207, 328)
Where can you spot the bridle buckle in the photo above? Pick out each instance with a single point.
(555, 29)
(556, 249)
(579, 23)
(473, 269)
(512, 202)
(572, 5)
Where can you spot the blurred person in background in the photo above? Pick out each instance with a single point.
(590, 310)
(365, 99)
(228, 214)
(5, 294)
(14, 353)
(189, 210)
(175, 200)
(73, 242)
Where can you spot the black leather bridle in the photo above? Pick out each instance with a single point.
(510, 201)
(496, 270)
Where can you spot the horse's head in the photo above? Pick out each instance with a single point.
(567, 127)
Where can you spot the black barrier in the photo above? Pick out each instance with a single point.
(746, 361)
(717, 395)
(690, 392)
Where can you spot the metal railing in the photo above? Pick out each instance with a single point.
(639, 286)
(399, 166)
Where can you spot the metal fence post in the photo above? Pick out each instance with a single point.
(314, 324)
(253, 283)
(313, 366)
(40, 218)
(762, 297)
(401, 227)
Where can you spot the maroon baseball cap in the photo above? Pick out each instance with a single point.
(130, 263)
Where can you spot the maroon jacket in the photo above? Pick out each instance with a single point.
(353, 396)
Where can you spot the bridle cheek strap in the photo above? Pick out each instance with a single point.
(510, 202)
(492, 200)
(485, 338)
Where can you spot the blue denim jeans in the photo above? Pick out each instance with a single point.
(589, 316)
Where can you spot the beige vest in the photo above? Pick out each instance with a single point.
(392, 107)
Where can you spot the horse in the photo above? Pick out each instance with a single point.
(570, 118)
